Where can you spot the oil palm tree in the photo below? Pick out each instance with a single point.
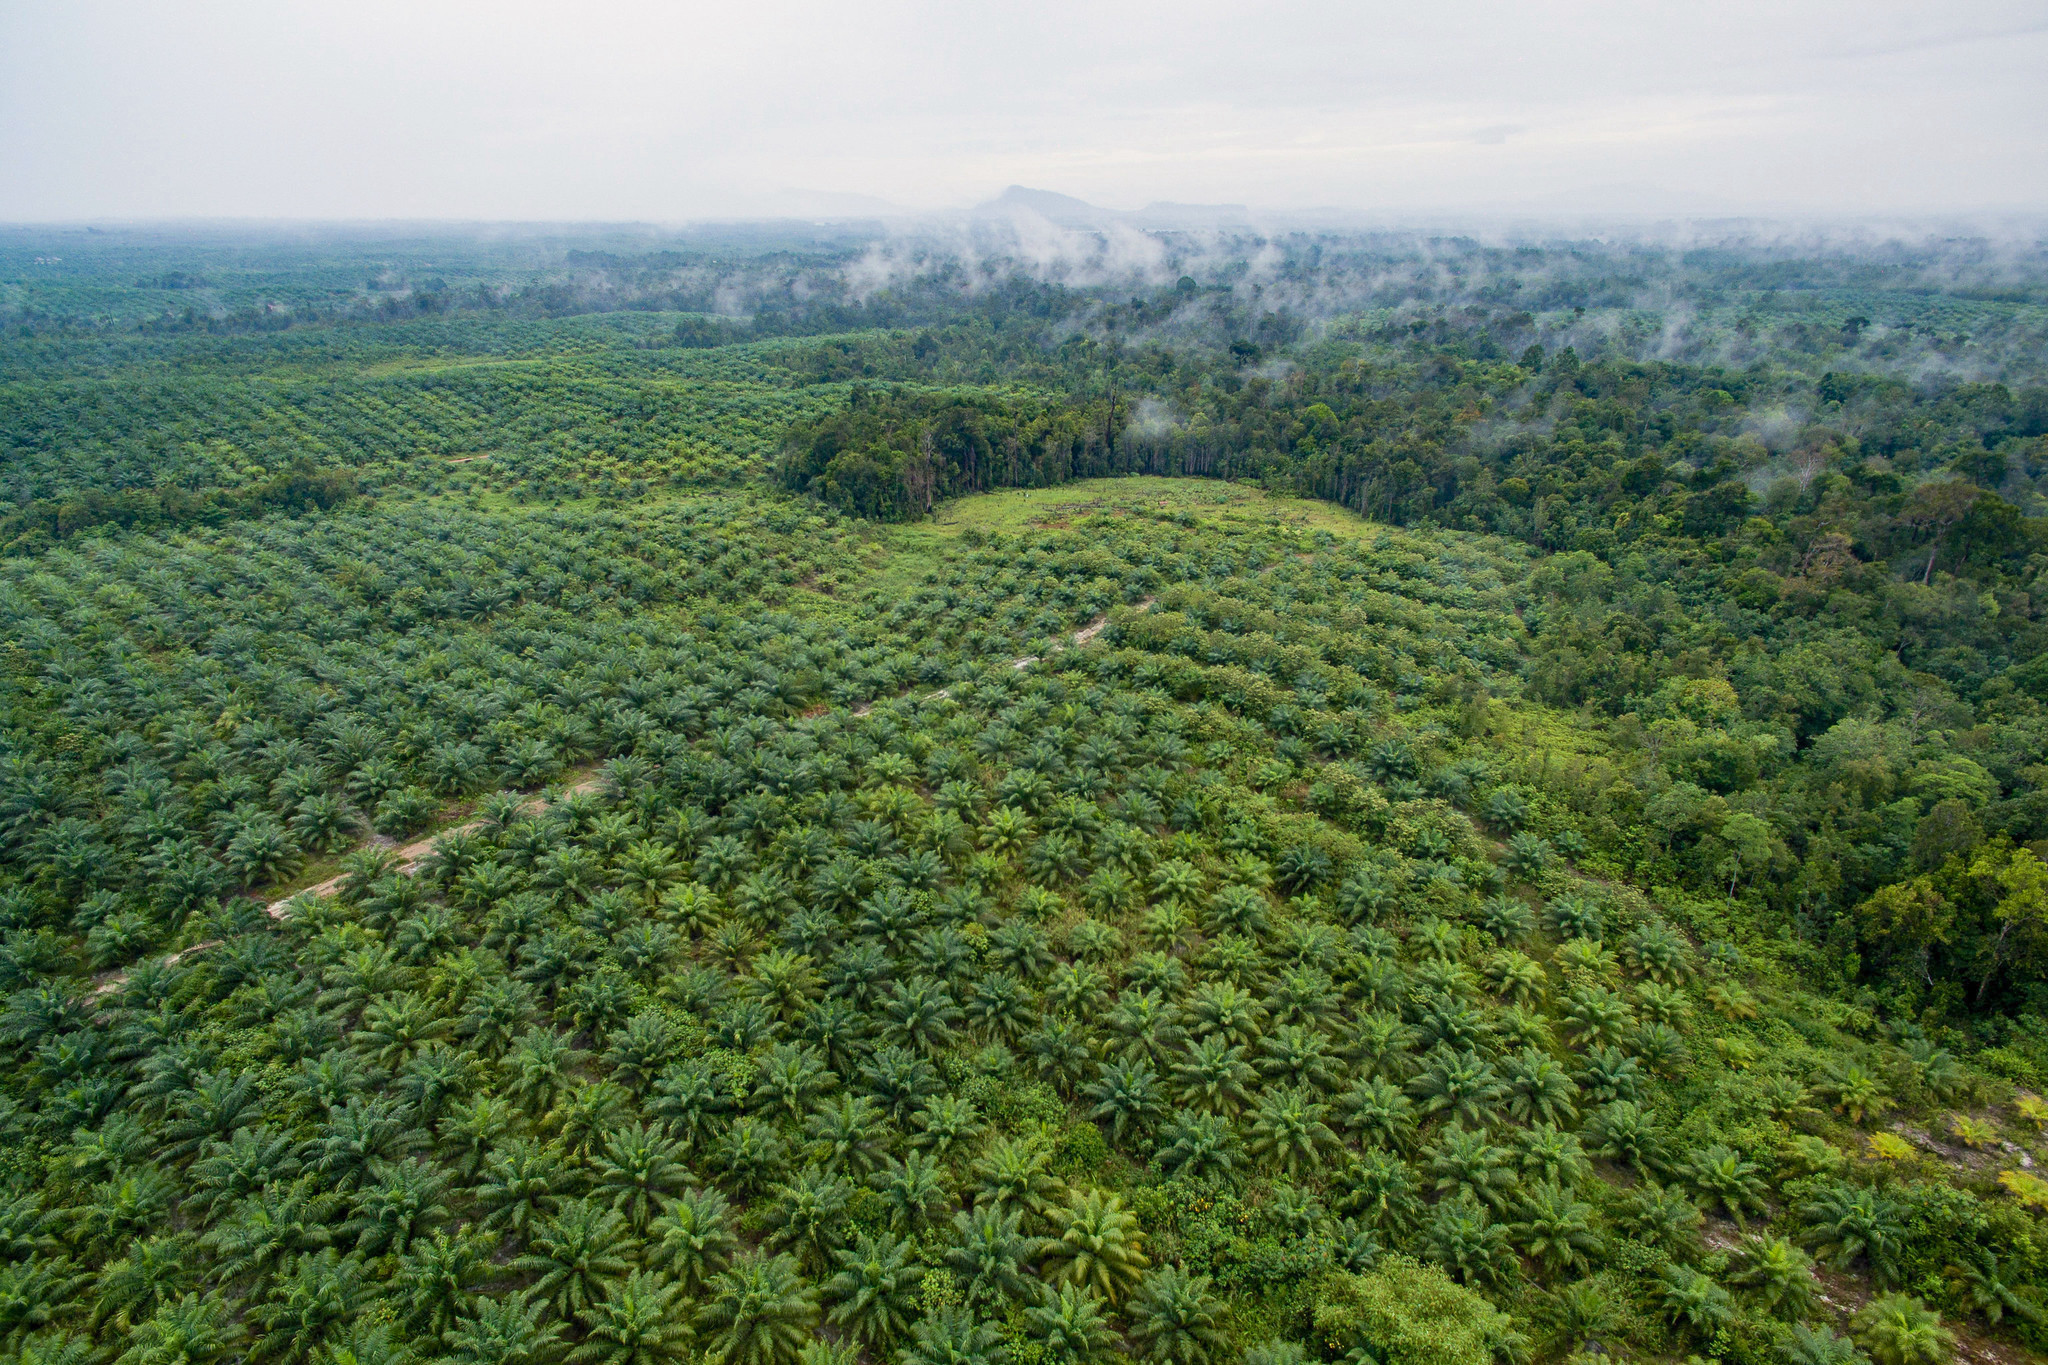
(1598, 1015)
(210, 1112)
(1555, 1229)
(1096, 1245)
(1059, 1053)
(1626, 1132)
(1463, 1238)
(576, 1255)
(472, 1130)
(992, 1255)
(1128, 1095)
(638, 1052)
(693, 1239)
(1220, 1010)
(1013, 1176)
(1069, 1324)
(920, 1014)
(845, 1133)
(786, 982)
(1460, 1083)
(807, 1217)
(953, 1336)
(874, 1295)
(1175, 1317)
(1778, 1274)
(752, 1155)
(154, 1271)
(1898, 1329)
(39, 1291)
(437, 1278)
(1844, 1223)
(637, 1322)
(1288, 1130)
(690, 1098)
(1664, 1218)
(250, 1160)
(757, 1311)
(269, 1227)
(1610, 1074)
(521, 1186)
(1462, 1161)
(945, 1123)
(1378, 1112)
(1000, 1004)
(504, 1330)
(1146, 1026)
(540, 1067)
(915, 1190)
(1297, 1054)
(1720, 1175)
(838, 1031)
(1213, 1077)
(899, 1081)
(191, 1331)
(1515, 977)
(1198, 1146)
(1980, 1276)
(637, 1171)
(396, 1026)
(1546, 1152)
(1820, 1346)
(647, 868)
(1854, 1091)
(1077, 989)
(1539, 1089)
(1692, 1298)
(1656, 951)
(403, 1201)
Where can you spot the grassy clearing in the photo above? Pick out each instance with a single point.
(907, 551)
(1209, 500)
(896, 558)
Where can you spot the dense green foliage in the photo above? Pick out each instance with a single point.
(865, 915)
(897, 456)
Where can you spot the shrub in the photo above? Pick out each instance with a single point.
(1406, 1313)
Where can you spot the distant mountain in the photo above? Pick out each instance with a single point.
(1063, 209)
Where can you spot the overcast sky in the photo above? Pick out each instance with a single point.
(609, 109)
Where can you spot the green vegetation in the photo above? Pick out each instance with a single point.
(980, 821)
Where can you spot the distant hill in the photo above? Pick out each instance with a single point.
(1063, 209)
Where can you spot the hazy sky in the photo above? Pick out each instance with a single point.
(620, 110)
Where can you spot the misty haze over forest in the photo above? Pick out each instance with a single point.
(1730, 291)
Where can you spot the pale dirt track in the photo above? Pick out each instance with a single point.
(1081, 637)
(413, 854)
(410, 856)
